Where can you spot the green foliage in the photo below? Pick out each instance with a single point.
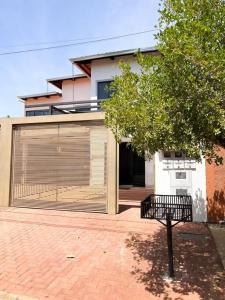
(177, 101)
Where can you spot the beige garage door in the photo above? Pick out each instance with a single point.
(60, 166)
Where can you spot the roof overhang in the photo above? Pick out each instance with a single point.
(59, 80)
(40, 95)
(85, 67)
(84, 62)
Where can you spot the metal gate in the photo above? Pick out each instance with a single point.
(60, 166)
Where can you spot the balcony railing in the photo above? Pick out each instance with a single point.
(64, 107)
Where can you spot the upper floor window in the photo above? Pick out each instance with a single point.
(103, 89)
(30, 113)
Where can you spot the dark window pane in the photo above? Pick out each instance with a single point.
(104, 90)
(181, 192)
(167, 154)
(180, 175)
(56, 112)
(37, 113)
(178, 154)
(29, 113)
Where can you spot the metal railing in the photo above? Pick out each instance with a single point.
(67, 107)
(178, 207)
(168, 208)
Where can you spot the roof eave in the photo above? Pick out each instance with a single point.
(113, 54)
(58, 80)
(36, 96)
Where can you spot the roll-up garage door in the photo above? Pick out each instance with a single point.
(60, 166)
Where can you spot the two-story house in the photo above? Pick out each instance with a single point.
(71, 162)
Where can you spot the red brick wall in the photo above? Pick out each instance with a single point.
(215, 187)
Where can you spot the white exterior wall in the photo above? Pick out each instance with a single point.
(162, 177)
(150, 173)
(106, 69)
(199, 192)
(163, 185)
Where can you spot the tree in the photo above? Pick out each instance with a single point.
(177, 101)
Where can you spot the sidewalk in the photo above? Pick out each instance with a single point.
(73, 256)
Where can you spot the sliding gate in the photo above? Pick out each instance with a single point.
(60, 166)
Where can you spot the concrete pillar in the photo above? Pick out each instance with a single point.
(112, 174)
(5, 161)
(150, 173)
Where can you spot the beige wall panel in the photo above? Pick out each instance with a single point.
(55, 118)
(5, 161)
(98, 148)
(112, 174)
(43, 100)
(47, 191)
(76, 90)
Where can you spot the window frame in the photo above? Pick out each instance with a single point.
(35, 111)
(97, 85)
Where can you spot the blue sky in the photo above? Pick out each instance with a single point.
(24, 24)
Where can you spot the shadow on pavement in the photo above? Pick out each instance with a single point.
(198, 268)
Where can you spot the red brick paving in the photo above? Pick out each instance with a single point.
(113, 257)
(135, 193)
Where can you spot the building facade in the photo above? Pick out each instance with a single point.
(79, 97)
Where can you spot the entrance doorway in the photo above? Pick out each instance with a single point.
(131, 167)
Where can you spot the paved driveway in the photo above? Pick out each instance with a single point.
(67, 255)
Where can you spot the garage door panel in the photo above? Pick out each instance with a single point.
(62, 166)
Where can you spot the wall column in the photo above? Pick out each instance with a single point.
(150, 173)
(112, 174)
(5, 161)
